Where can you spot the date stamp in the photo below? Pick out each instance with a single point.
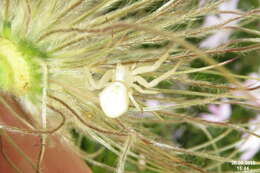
(243, 165)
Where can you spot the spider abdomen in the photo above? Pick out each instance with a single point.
(114, 99)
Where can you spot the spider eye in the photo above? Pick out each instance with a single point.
(114, 100)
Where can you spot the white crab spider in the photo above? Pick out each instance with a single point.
(114, 98)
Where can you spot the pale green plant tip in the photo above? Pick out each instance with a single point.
(19, 75)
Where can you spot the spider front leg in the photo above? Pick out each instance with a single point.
(155, 66)
(95, 85)
(157, 80)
